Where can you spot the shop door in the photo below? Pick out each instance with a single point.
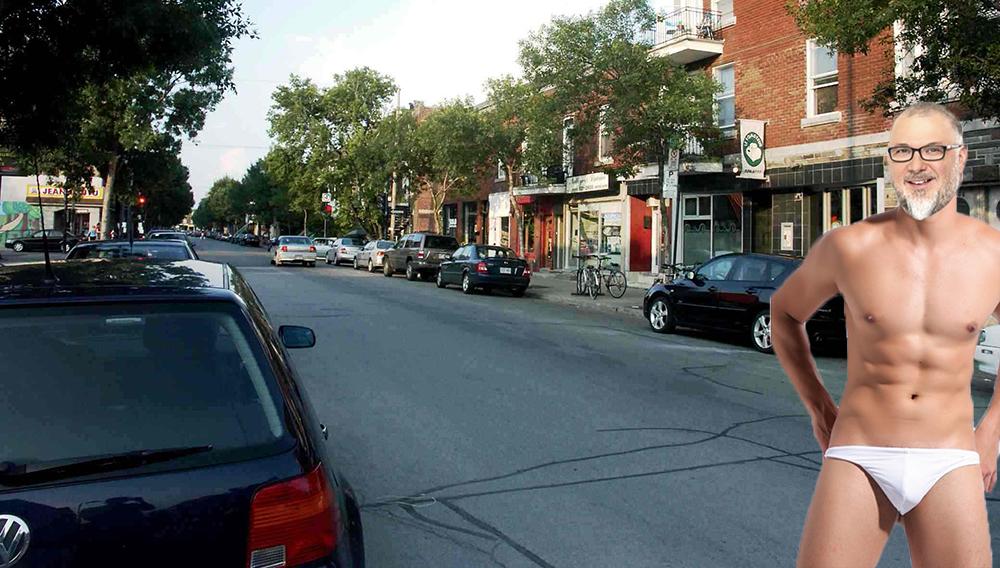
(845, 206)
(640, 236)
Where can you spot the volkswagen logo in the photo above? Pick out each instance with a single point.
(14, 537)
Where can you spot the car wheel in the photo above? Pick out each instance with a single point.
(518, 292)
(272, 261)
(371, 265)
(411, 274)
(386, 269)
(661, 316)
(312, 265)
(467, 284)
(356, 267)
(760, 332)
(328, 258)
(440, 280)
(18, 247)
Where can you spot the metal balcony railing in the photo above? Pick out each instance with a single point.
(690, 23)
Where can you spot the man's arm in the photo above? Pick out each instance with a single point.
(988, 434)
(808, 288)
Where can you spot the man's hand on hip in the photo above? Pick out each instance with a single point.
(987, 445)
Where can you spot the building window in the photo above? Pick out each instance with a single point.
(725, 10)
(725, 101)
(821, 63)
(603, 138)
(567, 142)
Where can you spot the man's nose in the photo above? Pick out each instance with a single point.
(916, 163)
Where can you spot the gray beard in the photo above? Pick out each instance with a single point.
(921, 208)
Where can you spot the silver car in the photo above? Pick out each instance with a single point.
(344, 250)
(294, 249)
(371, 255)
(323, 246)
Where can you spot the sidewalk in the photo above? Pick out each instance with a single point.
(560, 287)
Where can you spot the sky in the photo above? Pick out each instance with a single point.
(433, 49)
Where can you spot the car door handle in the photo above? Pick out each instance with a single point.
(713, 289)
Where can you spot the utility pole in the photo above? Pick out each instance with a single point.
(392, 196)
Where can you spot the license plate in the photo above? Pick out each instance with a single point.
(298, 257)
(504, 271)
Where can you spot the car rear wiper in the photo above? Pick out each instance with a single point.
(12, 474)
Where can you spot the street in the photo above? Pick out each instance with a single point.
(488, 430)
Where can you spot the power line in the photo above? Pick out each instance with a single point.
(200, 144)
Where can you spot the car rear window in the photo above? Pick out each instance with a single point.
(495, 252)
(385, 244)
(94, 380)
(296, 241)
(179, 236)
(440, 243)
(352, 242)
(141, 251)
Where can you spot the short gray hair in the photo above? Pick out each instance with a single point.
(923, 108)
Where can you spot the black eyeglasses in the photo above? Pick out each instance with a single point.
(928, 153)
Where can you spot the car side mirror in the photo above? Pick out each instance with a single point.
(297, 336)
(446, 257)
(690, 275)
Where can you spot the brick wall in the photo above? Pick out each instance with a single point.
(769, 53)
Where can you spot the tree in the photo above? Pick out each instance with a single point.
(161, 178)
(450, 151)
(269, 198)
(214, 209)
(953, 43)
(119, 75)
(598, 69)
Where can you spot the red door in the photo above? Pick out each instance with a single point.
(640, 236)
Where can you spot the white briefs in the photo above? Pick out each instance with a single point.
(905, 474)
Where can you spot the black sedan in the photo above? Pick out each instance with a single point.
(733, 293)
(486, 267)
(161, 424)
(154, 250)
(35, 242)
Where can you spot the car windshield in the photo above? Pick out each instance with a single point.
(436, 242)
(296, 241)
(105, 379)
(176, 236)
(495, 252)
(140, 250)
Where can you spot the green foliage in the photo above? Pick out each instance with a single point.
(214, 210)
(162, 179)
(960, 54)
(597, 68)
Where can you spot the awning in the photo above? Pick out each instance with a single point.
(524, 199)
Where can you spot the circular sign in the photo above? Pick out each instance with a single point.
(753, 149)
(16, 538)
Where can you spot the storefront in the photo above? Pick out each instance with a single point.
(20, 215)
(710, 225)
(595, 219)
(499, 219)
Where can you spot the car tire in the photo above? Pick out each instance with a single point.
(518, 292)
(386, 268)
(18, 247)
(327, 258)
(760, 332)
(411, 274)
(312, 265)
(356, 267)
(467, 287)
(440, 281)
(371, 265)
(661, 316)
(272, 262)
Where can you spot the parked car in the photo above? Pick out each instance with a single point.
(418, 254)
(344, 249)
(141, 457)
(987, 355)
(371, 255)
(35, 242)
(323, 246)
(159, 250)
(250, 240)
(485, 267)
(294, 249)
(732, 293)
(172, 235)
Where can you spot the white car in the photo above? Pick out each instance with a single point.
(987, 355)
(323, 246)
(344, 249)
(294, 249)
(372, 255)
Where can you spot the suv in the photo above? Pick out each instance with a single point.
(419, 255)
(128, 454)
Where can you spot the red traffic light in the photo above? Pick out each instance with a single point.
(142, 200)
(328, 208)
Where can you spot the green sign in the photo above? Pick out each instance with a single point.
(753, 149)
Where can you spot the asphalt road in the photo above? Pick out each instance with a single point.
(493, 431)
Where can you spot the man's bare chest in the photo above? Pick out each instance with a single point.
(944, 296)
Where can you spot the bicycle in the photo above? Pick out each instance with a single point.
(675, 270)
(589, 277)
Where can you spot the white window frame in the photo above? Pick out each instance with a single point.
(568, 150)
(811, 87)
(729, 130)
(501, 171)
(727, 18)
(603, 153)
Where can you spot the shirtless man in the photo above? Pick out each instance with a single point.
(918, 284)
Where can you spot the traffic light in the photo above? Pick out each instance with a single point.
(142, 200)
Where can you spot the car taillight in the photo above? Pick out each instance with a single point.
(380, 253)
(342, 249)
(293, 522)
(284, 248)
(312, 249)
(420, 254)
(527, 272)
(481, 268)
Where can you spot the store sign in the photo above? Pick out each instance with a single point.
(752, 149)
(590, 182)
(92, 194)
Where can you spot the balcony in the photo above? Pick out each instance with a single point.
(686, 35)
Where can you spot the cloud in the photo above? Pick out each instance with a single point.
(233, 162)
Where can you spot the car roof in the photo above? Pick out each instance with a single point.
(778, 257)
(120, 242)
(118, 279)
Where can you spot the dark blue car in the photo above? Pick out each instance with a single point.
(485, 267)
(151, 417)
